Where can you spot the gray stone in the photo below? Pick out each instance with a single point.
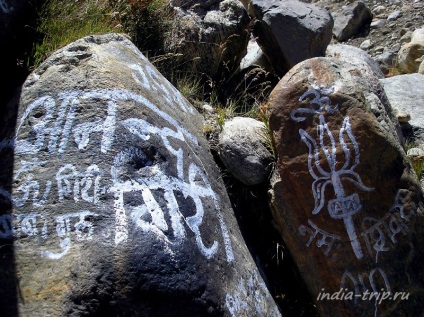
(211, 36)
(207, 108)
(366, 45)
(421, 68)
(394, 16)
(351, 20)
(386, 60)
(406, 94)
(255, 57)
(243, 151)
(114, 206)
(353, 55)
(376, 24)
(291, 31)
(379, 10)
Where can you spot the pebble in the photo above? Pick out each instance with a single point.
(377, 24)
(366, 45)
(394, 16)
(207, 108)
(379, 10)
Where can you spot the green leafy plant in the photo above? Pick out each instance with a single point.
(226, 112)
(190, 87)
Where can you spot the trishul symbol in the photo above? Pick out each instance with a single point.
(343, 206)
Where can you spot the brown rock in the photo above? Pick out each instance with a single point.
(344, 198)
(410, 57)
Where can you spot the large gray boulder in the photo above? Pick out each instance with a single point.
(350, 20)
(211, 36)
(406, 94)
(291, 31)
(242, 149)
(115, 206)
(354, 55)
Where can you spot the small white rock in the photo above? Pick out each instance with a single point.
(378, 10)
(394, 16)
(366, 45)
(207, 108)
(377, 24)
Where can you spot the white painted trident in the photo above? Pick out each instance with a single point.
(343, 206)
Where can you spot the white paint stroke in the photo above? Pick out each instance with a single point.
(45, 108)
(160, 181)
(148, 77)
(343, 206)
(83, 231)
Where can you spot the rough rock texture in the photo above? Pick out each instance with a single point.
(243, 151)
(418, 36)
(406, 94)
(411, 55)
(344, 197)
(291, 31)
(386, 60)
(212, 36)
(351, 20)
(354, 55)
(118, 208)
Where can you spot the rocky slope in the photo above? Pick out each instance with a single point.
(392, 23)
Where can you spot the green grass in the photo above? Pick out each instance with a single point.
(190, 87)
(62, 22)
